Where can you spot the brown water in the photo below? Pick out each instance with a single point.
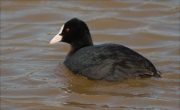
(34, 78)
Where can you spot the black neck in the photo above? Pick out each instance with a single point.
(78, 44)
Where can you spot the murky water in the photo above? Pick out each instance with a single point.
(33, 76)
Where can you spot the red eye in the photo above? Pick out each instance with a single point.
(67, 30)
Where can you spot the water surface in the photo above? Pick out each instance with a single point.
(33, 76)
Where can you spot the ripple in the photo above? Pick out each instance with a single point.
(32, 72)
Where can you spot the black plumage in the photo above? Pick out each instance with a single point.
(110, 62)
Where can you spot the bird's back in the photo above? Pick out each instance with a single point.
(110, 62)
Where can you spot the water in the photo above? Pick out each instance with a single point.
(33, 76)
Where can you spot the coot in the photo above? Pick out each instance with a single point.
(111, 62)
